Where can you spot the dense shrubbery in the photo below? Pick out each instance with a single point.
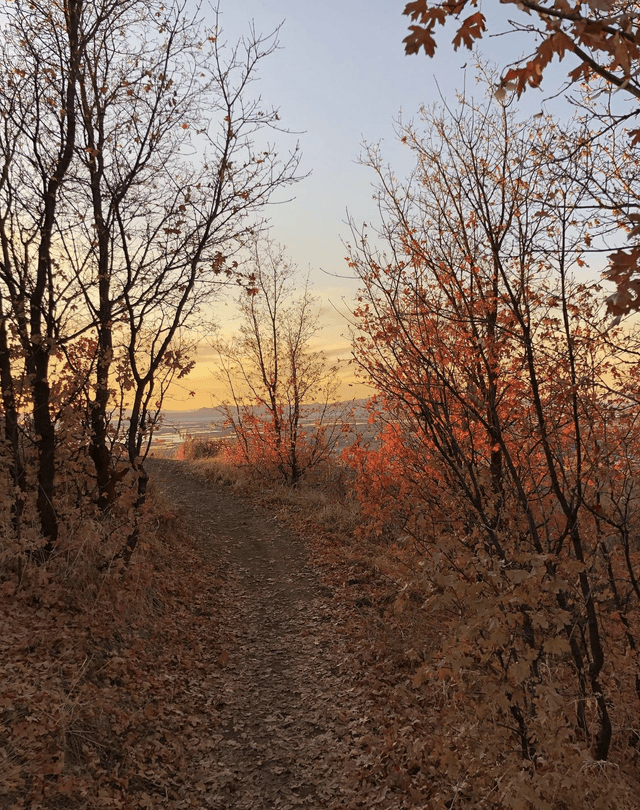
(194, 448)
(507, 474)
(290, 458)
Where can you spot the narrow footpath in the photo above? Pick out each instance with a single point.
(294, 727)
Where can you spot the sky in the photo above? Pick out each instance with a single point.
(340, 78)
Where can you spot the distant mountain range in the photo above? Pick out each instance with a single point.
(216, 413)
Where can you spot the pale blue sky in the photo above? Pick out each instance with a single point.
(339, 78)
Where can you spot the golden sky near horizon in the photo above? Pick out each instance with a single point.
(333, 339)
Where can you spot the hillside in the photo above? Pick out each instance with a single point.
(233, 665)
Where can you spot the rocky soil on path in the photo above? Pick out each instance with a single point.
(294, 723)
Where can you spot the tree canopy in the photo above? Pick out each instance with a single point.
(604, 38)
(602, 34)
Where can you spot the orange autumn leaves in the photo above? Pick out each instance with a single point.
(505, 476)
(601, 33)
(603, 39)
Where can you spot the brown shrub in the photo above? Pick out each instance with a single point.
(195, 448)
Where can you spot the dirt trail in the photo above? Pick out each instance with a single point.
(293, 728)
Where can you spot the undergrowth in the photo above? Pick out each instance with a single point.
(95, 658)
(435, 722)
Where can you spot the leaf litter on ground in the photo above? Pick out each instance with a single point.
(226, 671)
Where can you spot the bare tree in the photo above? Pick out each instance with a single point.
(41, 63)
(133, 168)
(274, 375)
(164, 254)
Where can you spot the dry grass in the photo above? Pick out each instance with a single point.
(320, 502)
